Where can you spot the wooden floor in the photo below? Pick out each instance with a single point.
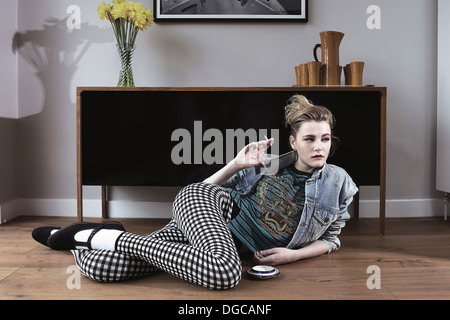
(413, 259)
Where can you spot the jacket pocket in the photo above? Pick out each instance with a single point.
(324, 217)
(321, 221)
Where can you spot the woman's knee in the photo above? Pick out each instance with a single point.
(226, 276)
(200, 195)
(187, 199)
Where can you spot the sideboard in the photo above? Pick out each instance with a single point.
(123, 134)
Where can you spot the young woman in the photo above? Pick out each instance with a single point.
(295, 213)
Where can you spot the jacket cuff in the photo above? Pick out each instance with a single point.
(332, 246)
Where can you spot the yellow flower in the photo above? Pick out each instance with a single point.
(136, 9)
(142, 17)
(126, 18)
(104, 11)
(120, 10)
(149, 18)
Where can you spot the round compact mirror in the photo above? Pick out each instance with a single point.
(263, 272)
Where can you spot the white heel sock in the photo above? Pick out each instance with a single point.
(104, 239)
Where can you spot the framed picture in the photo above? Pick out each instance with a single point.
(231, 10)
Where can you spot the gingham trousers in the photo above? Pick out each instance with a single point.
(196, 245)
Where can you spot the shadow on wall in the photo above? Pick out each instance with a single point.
(55, 52)
(46, 114)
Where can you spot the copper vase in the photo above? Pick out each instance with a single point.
(330, 69)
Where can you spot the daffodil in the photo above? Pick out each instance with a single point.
(126, 18)
(104, 11)
(119, 11)
(116, 2)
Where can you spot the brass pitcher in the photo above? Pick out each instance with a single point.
(330, 69)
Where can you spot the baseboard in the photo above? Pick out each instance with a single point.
(9, 210)
(402, 208)
(93, 208)
(397, 208)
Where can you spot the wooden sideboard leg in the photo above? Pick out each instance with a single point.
(383, 213)
(356, 205)
(104, 202)
(80, 203)
(79, 162)
(383, 165)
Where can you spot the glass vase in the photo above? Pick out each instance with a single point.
(126, 53)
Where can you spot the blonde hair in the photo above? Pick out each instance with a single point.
(300, 110)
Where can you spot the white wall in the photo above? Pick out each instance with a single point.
(401, 55)
(8, 61)
(443, 108)
(8, 112)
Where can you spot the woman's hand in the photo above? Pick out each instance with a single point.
(275, 256)
(252, 154)
(278, 256)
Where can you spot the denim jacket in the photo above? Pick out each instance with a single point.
(328, 194)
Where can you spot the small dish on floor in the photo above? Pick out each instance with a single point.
(262, 272)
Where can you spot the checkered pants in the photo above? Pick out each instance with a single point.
(196, 245)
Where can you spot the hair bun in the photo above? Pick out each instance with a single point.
(295, 107)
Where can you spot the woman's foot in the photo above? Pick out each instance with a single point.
(80, 236)
(41, 234)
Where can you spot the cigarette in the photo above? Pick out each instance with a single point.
(267, 139)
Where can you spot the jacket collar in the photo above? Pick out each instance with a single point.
(318, 172)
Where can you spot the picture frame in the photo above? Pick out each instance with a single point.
(230, 10)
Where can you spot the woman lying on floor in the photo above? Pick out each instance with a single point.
(295, 213)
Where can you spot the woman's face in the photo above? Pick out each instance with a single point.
(313, 143)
